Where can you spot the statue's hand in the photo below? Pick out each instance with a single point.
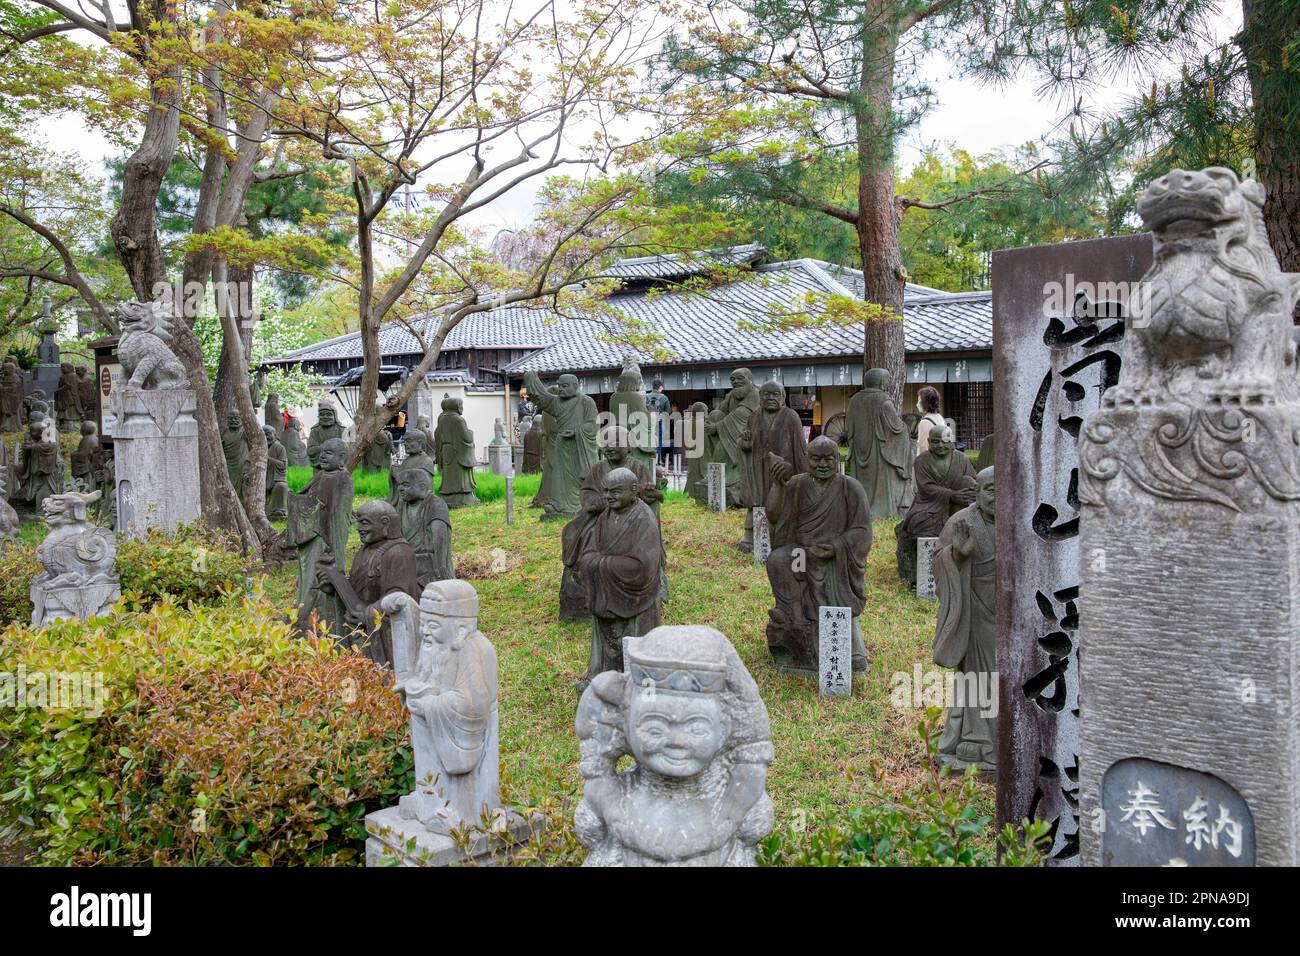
(781, 470)
(710, 428)
(823, 551)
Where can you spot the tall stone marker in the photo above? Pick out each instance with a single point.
(835, 631)
(716, 475)
(762, 536)
(925, 588)
(1189, 481)
(1057, 325)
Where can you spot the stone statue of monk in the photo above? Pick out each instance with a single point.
(417, 456)
(571, 450)
(965, 638)
(821, 534)
(277, 471)
(319, 519)
(775, 431)
(880, 448)
(426, 525)
(532, 442)
(454, 448)
(40, 464)
(326, 428)
(944, 482)
(730, 430)
(234, 443)
(697, 485)
(627, 409)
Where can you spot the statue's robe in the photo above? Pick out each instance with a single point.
(319, 435)
(455, 450)
(291, 438)
(965, 638)
(319, 519)
(810, 513)
(740, 405)
(89, 397)
(454, 734)
(40, 471)
(937, 484)
(713, 454)
(575, 603)
(571, 451)
(629, 410)
(11, 398)
(426, 525)
(423, 463)
(533, 439)
(67, 401)
(277, 482)
(622, 568)
(234, 445)
(380, 453)
(86, 462)
(779, 434)
(549, 476)
(880, 449)
(379, 569)
(693, 441)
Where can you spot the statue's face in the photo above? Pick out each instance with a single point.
(614, 453)
(619, 495)
(436, 629)
(331, 458)
(371, 528)
(414, 443)
(232, 421)
(823, 463)
(771, 399)
(940, 442)
(739, 379)
(674, 735)
(409, 489)
(326, 417)
(984, 496)
(566, 387)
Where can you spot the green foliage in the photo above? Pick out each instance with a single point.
(25, 355)
(935, 825)
(221, 738)
(196, 564)
(18, 565)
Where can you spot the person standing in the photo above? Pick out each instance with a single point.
(658, 405)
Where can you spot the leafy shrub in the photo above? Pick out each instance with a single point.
(196, 564)
(221, 738)
(935, 825)
(18, 565)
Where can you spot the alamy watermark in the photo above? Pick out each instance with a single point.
(53, 690)
(935, 687)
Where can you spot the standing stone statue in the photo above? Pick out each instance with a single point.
(291, 438)
(79, 579)
(627, 409)
(774, 442)
(422, 425)
(379, 455)
(277, 475)
(571, 450)
(417, 457)
(87, 460)
(945, 483)
(545, 423)
(35, 406)
(384, 564)
(235, 446)
(89, 394)
(965, 638)
(11, 396)
(616, 452)
(880, 449)
(40, 467)
(729, 429)
(67, 399)
(621, 564)
(327, 427)
(8, 517)
(271, 414)
(532, 441)
(426, 525)
(689, 714)
(454, 444)
(695, 444)
(821, 535)
(319, 518)
(106, 506)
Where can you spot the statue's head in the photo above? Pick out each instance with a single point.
(414, 442)
(630, 378)
(742, 378)
(36, 426)
(144, 317)
(82, 371)
(984, 492)
(269, 432)
(65, 367)
(615, 444)
(771, 395)
(376, 521)
(876, 378)
(566, 386)
(68, 507)
(88, 429)
(699, 408)
(823, 458)
(941, 441)
(38, 395)
(273, 399)
(414, 484)
(448, 614)
(233, 420)
(326, 415)
(333, 455)
(620, 489)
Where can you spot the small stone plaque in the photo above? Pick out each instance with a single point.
(835, 631)
(925, 588)
(1159, 814)
(716, 475)
(510, 499)
(762, 536)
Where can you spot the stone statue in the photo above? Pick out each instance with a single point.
(945, 483)
(532, 440)
(319, 519)
(498, 432)
(327, 427)
(689, 714)
(11, 396)
(271, 414)
(729, 430)
(821, 534)
(79, 579)
(35, 406)
(454, 444)
(67, 399)
(379, 455)
(40, 468)
(697, 485)
(106, 506)
(291, 438)
(422, 425)
(89, 394)
(966, 636)
(627, 409)
(546, 425)
(384, 564)
(621, 564)
(615, 452)
(774, 442)
(988, 452)
(426, 525)
(880, 449)
(87, 460)
(235, 445)
(417, 457)
(571, 449)
(277, 475)
(144, 348)
(9, 524)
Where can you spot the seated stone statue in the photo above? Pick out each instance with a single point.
(621, 565)
(426, 525)
(690, 716)
(319, 519)
(965, 638)
(79, 579)
(943, 482)
(821, 534)
(277, 471)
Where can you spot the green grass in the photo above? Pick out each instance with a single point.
(374, 484)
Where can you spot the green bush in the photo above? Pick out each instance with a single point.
(18, 565)
(221, 738)
(196, 564)
(936, 825)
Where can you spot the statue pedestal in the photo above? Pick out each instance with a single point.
(499, 460)
(393, 840)
(156, 458)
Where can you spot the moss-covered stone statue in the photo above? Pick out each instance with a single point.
(880, 448)
(319, 518)
(277, 475)
(945, 483)
(729, 431)
(426, 525)
(454, 444)
(235, 446)
(571, 449)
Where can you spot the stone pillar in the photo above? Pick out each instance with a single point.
(156, 458)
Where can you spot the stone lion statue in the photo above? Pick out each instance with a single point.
(144, 348)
